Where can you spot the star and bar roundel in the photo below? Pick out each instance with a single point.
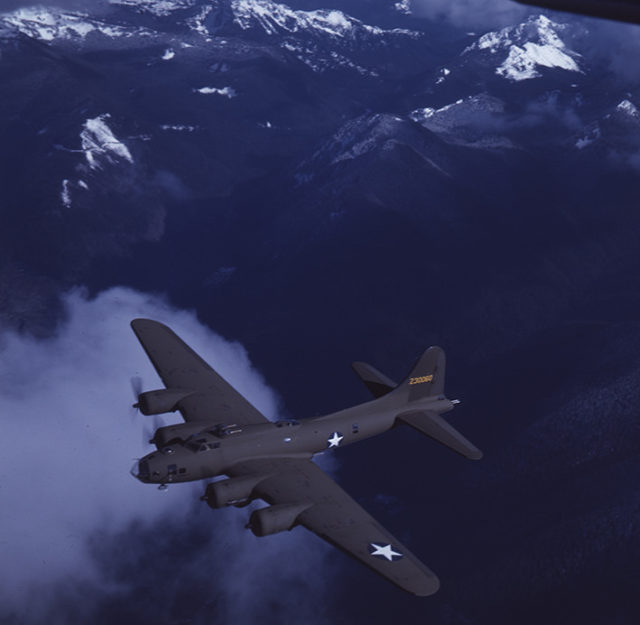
(334, 439)
(386, 552)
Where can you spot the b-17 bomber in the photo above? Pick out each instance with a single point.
(224, 435)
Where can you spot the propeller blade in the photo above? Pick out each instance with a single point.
(150, 428)
(136, 387)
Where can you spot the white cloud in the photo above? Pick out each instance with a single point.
(70, 440)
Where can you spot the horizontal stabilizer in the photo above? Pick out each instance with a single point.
(433, 425)
(377, 383)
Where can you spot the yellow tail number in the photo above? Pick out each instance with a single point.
(421, 380)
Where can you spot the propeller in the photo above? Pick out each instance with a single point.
(150, 428)
(136, 387)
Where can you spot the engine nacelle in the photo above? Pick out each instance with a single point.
(163, 400)
(274, 519)
(235, 491)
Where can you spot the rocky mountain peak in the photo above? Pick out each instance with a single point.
(525, 48)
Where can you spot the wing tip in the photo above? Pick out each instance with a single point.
(140, 323)
(429, 586)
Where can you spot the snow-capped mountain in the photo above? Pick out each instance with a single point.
(613, 135)
(473, 121)
(523, 50)
(472, 95)
(52, 24)
(161, 8)
(628, 108)
(321, 39)
(274, 18)
(504, 83)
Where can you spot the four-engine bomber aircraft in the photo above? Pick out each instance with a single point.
(224, 434)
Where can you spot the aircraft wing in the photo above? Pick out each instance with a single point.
(338, 519)
(180, 367)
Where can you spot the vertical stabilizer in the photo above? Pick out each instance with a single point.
(427, 376)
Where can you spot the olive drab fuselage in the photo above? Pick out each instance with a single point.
(215, 447)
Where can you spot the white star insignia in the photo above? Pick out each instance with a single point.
(334, 439)
(384, 551)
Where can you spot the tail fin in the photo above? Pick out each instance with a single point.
(427, 376)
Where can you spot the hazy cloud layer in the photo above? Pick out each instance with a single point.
(64, 481)
(10, 5)
(78, 5)
(619, 44)
(488, 14)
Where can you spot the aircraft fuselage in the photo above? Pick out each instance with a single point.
(217, 447)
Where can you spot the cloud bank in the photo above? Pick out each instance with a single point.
(72, 518)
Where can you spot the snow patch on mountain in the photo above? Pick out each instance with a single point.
(178, 127)
(65, 195)
(459, 112)
(381, 134)
(320, 61)
(228, 92)
(48, 24)
(274, 17)
(444, 72)
(528, 46)
(65, 192)
(161, 8)
(404, 6)
(626, 106)
(197, 22)
(99, 142)
(359, 137)
(475, 121)
(168, 54)
(522, 62)
(423, 114)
